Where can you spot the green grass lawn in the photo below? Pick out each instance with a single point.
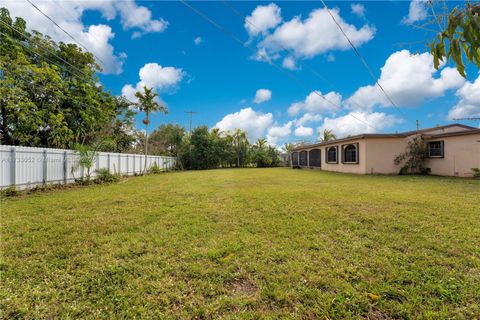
(248, 243)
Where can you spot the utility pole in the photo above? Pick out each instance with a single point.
(418, 125)
(191, 113)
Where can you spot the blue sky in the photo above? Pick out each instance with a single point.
(195, 66)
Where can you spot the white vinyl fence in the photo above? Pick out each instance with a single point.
(25, 167)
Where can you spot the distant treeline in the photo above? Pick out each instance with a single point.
(207, 149)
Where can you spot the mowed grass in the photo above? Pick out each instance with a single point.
(247, 243)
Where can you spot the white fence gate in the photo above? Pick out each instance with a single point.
(25, 167)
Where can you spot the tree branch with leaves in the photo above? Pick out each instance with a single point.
(460, 38)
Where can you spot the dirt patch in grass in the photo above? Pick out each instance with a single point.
(241, 287)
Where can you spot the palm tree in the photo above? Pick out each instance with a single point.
(261, 143)
(148, 104)
(327, 135)
(240, 143)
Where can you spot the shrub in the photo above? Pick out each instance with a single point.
(412, 160)
(9, 192)
(154, 168)
(105, 176)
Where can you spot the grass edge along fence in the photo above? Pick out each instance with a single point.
(27, 167)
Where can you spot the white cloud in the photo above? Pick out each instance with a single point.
(289, 63)
(262, 95)
(307, 118)
(153, 75)
(277, 132)
(262, 19)
(417, 11)
(140, 17)
(96, 38)
(315, 35)
(349, 125)
(198, 40)
(358, 9)
(314, 103)
(253, 122)
(303, 131)
(409, 79)
(469, 101)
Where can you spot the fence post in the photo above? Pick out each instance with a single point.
(13, 166)
(119, 164)
(134, 160)
(64, 167)
(108, 162)
(127, 164)
(45, 166)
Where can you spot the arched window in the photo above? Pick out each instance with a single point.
(314, 157)
(294, 159)
(350, 153)
(332, 154)
(303, 159)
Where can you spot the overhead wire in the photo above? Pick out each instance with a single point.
(45, 48)
(268, 60)
(74, 39)
(65, 31)
(289, 51)
(362, 59)
(47, 59)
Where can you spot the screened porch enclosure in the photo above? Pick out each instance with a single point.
(303, 159)
(314, 158)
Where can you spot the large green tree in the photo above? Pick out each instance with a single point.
(49, 92)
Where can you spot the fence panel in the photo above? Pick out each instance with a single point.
(25, 167)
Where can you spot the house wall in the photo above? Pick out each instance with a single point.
(376, 155)
(461, 153)
(358, 168)
(380, 153)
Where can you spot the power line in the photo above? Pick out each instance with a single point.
(267, 59)
(471, 119)
(38, 54)
(66, 32)
(289, 51)
(52, 62)
(430, 2)
(364, 62)
(73, 38)
(49, 60)
(45, 48)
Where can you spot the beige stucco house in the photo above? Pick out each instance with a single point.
(452, 151)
